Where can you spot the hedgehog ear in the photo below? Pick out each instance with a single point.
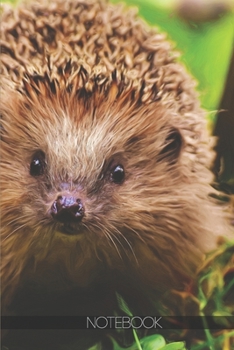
(172, 147)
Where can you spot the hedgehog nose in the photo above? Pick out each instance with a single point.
(67, 209)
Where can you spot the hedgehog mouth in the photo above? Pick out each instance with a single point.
(69, 229)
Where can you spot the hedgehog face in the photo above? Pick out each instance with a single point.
(93, 125)
(91, 172)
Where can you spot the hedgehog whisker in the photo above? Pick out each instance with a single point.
(10, 234)
(137, 233)
(109, 236)
(87, 227)
(114, 236)
(95, 226)
(18, 218)
(128, 243)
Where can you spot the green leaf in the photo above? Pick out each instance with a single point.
(96, 347)
(153, 342)
(123, 305)
(174, 346)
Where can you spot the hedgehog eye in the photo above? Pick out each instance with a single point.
(37, 165)
(117, 174)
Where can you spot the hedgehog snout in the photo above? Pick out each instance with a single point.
(67, 209)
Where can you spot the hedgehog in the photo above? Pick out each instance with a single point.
(105, 156)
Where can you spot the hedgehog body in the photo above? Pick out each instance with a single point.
(96, 110)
